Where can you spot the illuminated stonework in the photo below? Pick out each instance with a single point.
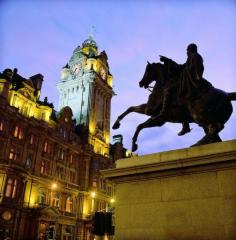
(86, 87)
(50, 166)
(24, 95)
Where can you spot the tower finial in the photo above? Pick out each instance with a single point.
(91, 34)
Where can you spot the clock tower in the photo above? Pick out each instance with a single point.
(86, 87)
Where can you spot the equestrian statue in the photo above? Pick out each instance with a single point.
(182, 95)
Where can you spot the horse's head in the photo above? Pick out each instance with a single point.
(147, 77)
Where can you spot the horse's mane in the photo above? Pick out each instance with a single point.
(161, 69)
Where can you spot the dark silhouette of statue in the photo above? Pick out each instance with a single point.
(190, 79)
(182, 95)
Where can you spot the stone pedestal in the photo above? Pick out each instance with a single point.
(177, 195)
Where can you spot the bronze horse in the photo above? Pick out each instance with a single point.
(210, 109)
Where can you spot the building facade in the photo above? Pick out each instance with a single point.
(86, 86)
(50, 185)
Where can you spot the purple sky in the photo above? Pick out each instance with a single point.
(40, 36)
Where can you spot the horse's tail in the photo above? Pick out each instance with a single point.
(232, 96)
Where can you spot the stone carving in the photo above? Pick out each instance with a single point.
(182, 95)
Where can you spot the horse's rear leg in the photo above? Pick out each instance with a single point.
(212, 134)
(151, 122)
(138, 109)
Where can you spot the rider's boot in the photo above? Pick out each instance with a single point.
(185, 129)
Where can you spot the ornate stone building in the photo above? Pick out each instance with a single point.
(50, 183)
(86, 80)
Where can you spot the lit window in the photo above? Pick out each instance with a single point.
(43, 197)
(11, 188)
(1, 125)
(69, 204)
(56, 200)
(18, 132)
(60, 154)
(65, 134)
(13, 154)
(31, 139)
(45, 146)
(71, 159)
(43, 168)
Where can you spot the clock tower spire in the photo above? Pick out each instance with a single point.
(86, 87)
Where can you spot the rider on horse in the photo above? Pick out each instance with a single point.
(190, 80)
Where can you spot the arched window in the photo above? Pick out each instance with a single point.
(69, 204)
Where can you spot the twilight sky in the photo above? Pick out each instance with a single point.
(40, 36)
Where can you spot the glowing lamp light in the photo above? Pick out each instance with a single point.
(54, 185)
(112, 200)
(93, 194)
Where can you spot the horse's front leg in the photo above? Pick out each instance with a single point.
(151, 122)
(138, 109)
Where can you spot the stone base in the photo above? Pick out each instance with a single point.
(183, 194)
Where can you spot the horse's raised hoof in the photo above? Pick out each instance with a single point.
(134, 147)
(116, 125)
(184, 131)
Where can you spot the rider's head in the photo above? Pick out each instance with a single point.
(192, 48)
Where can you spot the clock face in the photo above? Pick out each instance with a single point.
(103, 73)
(75, 69)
